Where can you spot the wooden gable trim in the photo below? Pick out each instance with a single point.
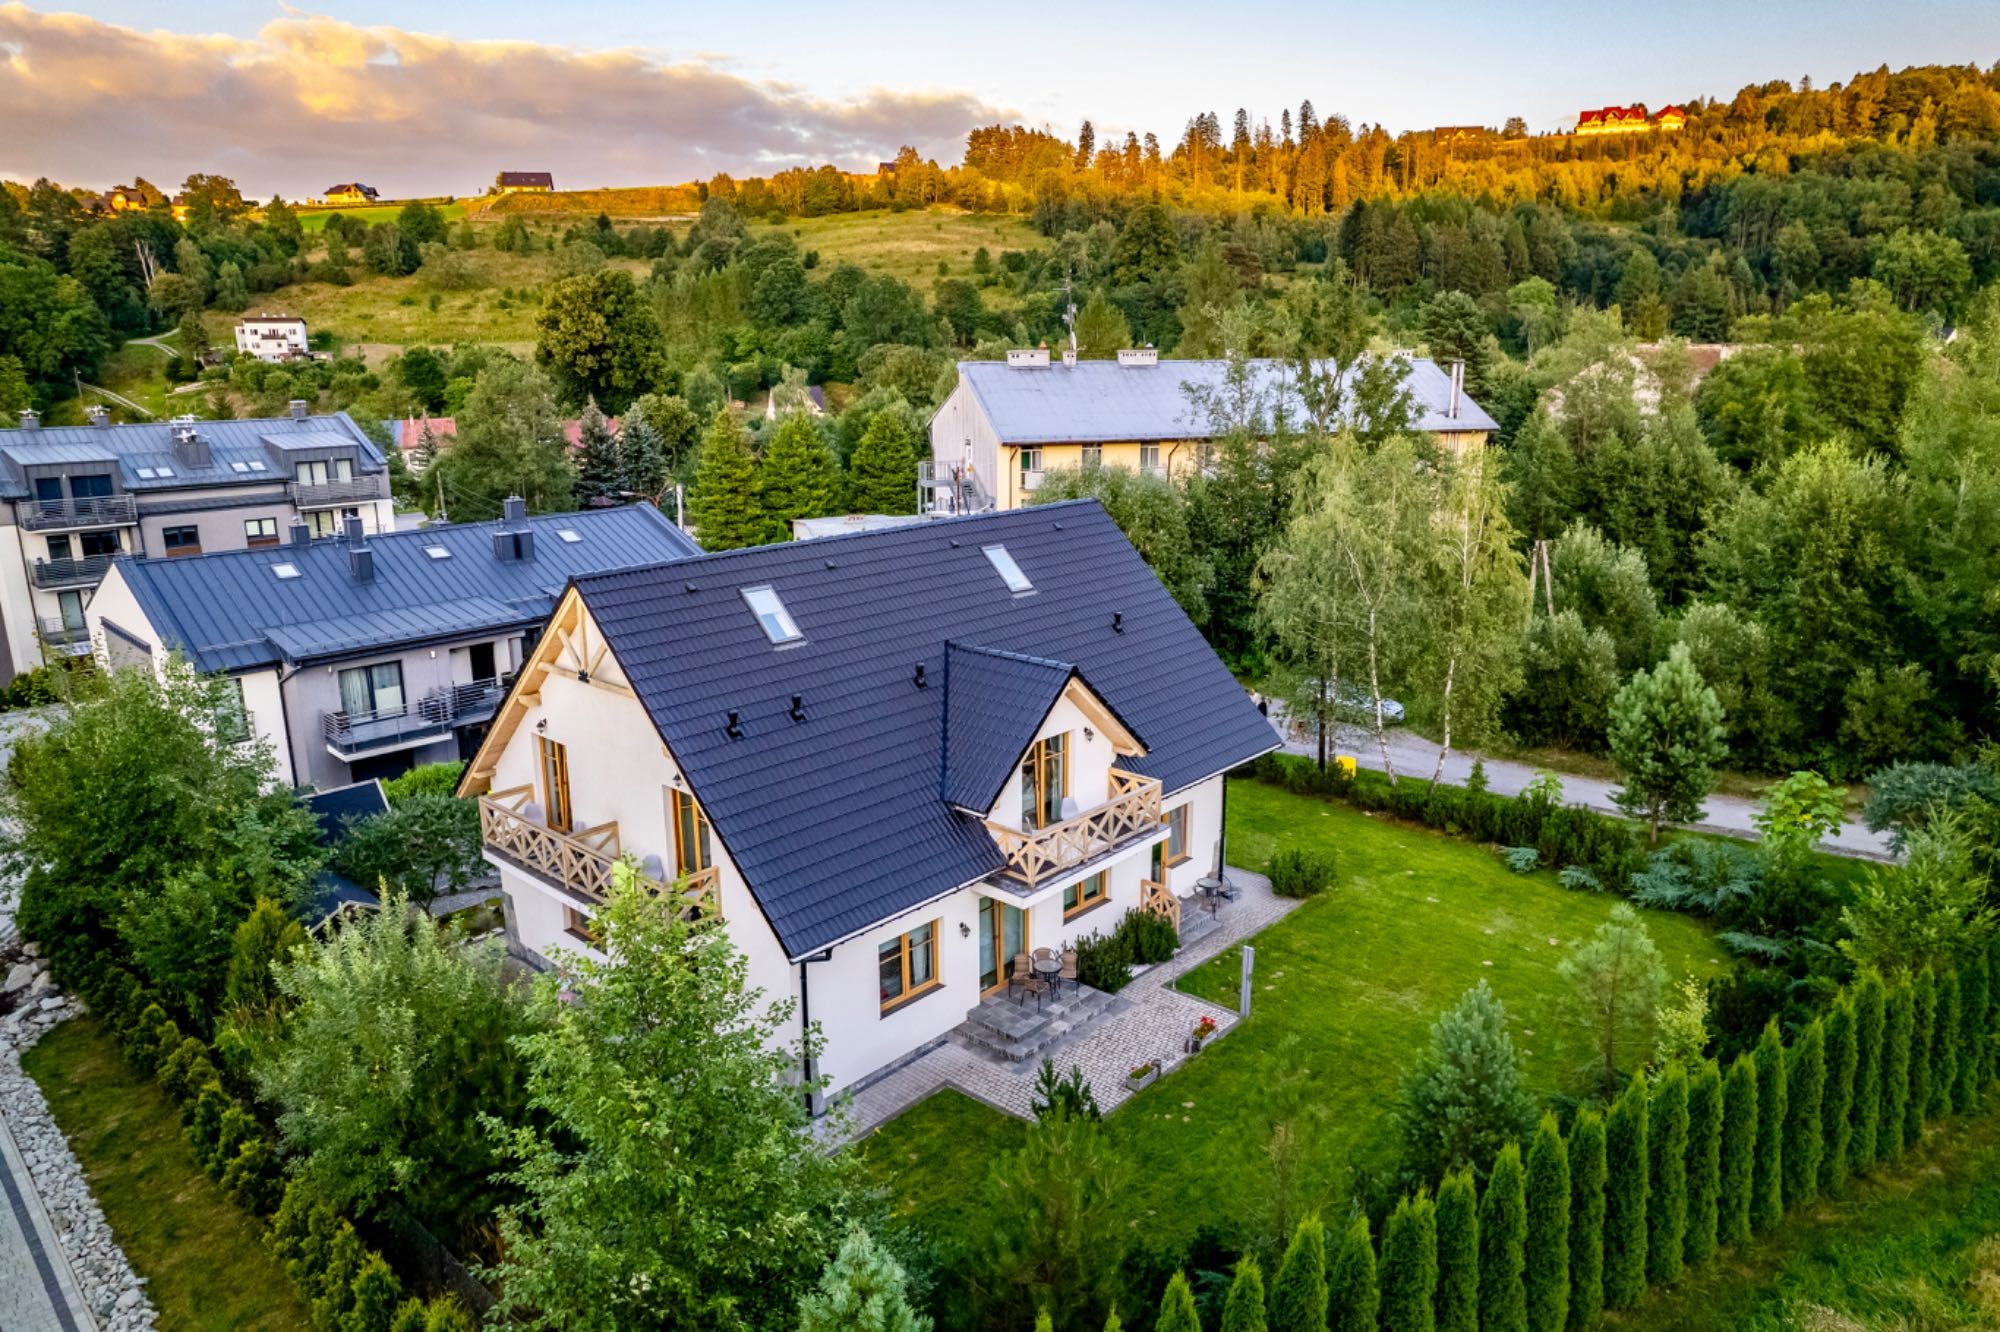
(1092, 707)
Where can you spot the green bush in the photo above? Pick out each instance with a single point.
(1150, 937)
(187, 1069)
(1522, 859)
(1298, 872)
(1104, 961)
(424, 779)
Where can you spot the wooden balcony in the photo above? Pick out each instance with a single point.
(1130, 814)
(580, 862)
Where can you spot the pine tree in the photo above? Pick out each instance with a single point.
(1666, 737)
(1870, 999)
(1625, 1188)
(600, 469)
(1837, 1106)
(1909, 1026)
(1177, 1311)
(1972, 1033)
(1739, 1151)
(1298, 1296)
(1944, 1046)
(1547, 1276)
(1767, 1177)
(1465, 1095)
(1666, 1175)
(864, 1289)
(1352, 1297)
(1587, 1170)
(1243, 1311)
(1503, 1237)
(1458, 1253)
(727, 509)
(1704, 1164)
(884, 467)
(641, 455)
(1805, 1090)
(798, 474)
(1409, 1267)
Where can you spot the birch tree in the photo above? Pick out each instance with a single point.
(1475, 594)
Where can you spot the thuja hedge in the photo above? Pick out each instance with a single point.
(1681, 1166)
(347, 1286)
(1598, 850)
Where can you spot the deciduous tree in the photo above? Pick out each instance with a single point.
(598, 338)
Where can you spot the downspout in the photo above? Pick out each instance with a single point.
(285, 724)
(809, 1066)
(1222, 835)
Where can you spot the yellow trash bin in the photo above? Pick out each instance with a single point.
(1345, 764)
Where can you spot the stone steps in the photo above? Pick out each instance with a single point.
(1008, 1032)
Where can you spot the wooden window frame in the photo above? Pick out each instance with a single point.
(558, 812)
(1087, 900)
(677, 801)
(1179, 820)
(259, 538)
(191, 548)
(578, 925)
(1036, 768)
(903, 950)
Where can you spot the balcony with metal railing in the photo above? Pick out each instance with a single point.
(98, 511)
(513, 827)
(436, 715)
(85, 572)
(328, 494)
(70, 638)
(1130, 815)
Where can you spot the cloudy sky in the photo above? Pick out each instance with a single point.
(434, 98)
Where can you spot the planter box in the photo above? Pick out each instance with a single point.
(1143, 1080)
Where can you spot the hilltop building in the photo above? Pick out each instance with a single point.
(270, 337)
(1009, 422)
(523, 182)
(1629, 120)
(354, 192)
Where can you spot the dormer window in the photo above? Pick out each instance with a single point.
(1010, 572)
(772, 617)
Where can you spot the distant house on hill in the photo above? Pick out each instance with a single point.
(811, 401)
(354, 192)
(523, 182)
(271, 337)
(1631, 119)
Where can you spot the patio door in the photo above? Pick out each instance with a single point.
(1003, 932)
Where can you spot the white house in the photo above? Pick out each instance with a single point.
(888, 763)
(271, 337)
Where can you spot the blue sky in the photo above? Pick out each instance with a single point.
(841, 80)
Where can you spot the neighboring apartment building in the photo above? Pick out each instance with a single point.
(1008, 422)
(365, 656)
(272, 337)
(73, 497)
(887, 763)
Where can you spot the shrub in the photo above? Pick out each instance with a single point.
(1503, 1234)
(1626, 1185)
(1738, 1151)
(1837, 1104)
(1299, 1294)
(1805, 1089)
(201, 1119)
(1410, 1266)
(1910, 1026)
(1352, 1296)
(1587, 1170)
(186, 1070)
(1297, 872)
(1666, 1175)
(1104, 962)
(1522, 859)
(1973, 1035)
(1150, 937)
(1063, 1095)
(1546, 1278)
(1703, 1164)
(1944, 1045)
(1578, 879)
(1243, 1311)
(439, 779)
(1458, 1253)
(1767, 1194)
(1869, 1001)
(254, 1179)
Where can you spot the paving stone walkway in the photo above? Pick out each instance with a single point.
(1156, 1020)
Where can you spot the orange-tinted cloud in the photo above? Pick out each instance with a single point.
(312, 100)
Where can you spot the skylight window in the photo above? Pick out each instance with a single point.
(1010, 572)
(772, 617)
(569, 534)
(285, 570)
(239, 467)
(255, 465)
(147, 474)
(163, 471)
(437, 552)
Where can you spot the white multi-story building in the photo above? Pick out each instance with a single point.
(272, 337)
(890, 763)
(73, 498)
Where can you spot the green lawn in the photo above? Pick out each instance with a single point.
(203, 1258)
(911, 245)
(1347, 988)
(315, 219)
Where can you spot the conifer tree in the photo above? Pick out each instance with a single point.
(1704, 1164)
(1352, 1296)
(1767, 1176)
(864, 1289)
(1465, 1096)
(600, 471)
(1587, 1168)
(798, 474)
(1837, 1106)
(1547, 1275)
(1909, 1028)
(1409, 1267)
(1869, 1001)
(1503, 1237)
(1177, 1311)
(1739, 1151)
(1666, 1175)
(1458, 1253)
(1805, 1089)
(1625, 1188)
(1298, 1296)
(1666, 737)
(1243, 1311)
(727, 508)
(884, 467)
(1972, 1032)
(1944, 1046)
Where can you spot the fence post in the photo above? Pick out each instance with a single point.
(1243, 986)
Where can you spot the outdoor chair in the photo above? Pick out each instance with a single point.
(1018, 972)
(1068, 972)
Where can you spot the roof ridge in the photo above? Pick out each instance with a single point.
(1008, 654)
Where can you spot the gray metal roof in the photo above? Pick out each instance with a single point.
(228, 611)
(836, 819)
(150, 445)
(1107, 402)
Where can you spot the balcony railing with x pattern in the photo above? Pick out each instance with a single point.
(512, 826)
(1129, 815)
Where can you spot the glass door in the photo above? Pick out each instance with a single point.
(1003, 932)
(72, 610)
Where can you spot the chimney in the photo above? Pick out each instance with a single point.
(190, 449)
(360, 559)
(352, 529)
(98, 415)
(524, 543)
(1069, 356)
(1457, 387)
(299, 534)
(513, 509)
(30, 419)
(298, 406)
(1028, 358)
(1139, 356)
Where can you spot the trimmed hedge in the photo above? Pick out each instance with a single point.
(1298, 872)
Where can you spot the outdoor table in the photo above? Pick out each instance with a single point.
(1211, 888)
(1048, 968)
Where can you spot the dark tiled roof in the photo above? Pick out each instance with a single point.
(542, 178)
(836, 820)
(990, 716)
(241, 453)
(229, 611)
